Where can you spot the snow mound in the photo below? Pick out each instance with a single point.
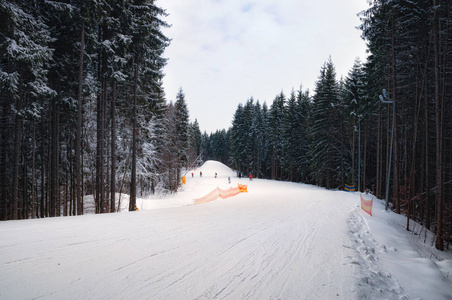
(210, 167)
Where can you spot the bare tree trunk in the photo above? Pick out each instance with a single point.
(122, 182)
(342, 176)
(17, 142)
(100, 180)
(66, 194)
(24, 208)
(427, 173)
(54, 149)
(78, 134)
(43, 176)
(396, 148)
(439, 191)
(353, 154)
(3, 167)
(133, 183)
(365, 158)
(413, 160)
(33, 173)
(113, 150)
(379, 151)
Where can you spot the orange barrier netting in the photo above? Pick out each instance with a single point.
(243, 188)
(223, 194)
(230, 192)
(366, 205)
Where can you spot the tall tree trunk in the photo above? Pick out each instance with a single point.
(342, 175)
(439, 192)
(427, 172)
(24, 207)
(3, 163)
(379, 152)
(133, 183)
(103, 167)
(353, 153)
(413, 159)
(100, 188)
(17, 142)
(365, 157)
(78, 132)
(33, 172)
(43, 174)
(54, 190)
(113, 150)
(395, 145)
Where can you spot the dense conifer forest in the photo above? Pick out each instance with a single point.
(83, 112)
(341, 132)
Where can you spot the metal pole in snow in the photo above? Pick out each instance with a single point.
(385, 99)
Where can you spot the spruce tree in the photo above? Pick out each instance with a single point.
(324, 130)
(182, 129)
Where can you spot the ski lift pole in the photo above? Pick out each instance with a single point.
(196, 160)
(385, 99)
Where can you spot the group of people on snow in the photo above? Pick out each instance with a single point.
(229, 178)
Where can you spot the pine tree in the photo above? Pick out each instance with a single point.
(238, 139)
(197, 137)
(148, 44)
(25, 54)
(407, 42)
(290, 139)
(324, 130)
(275, 137)
(353, 108)
(182, 128)
(259, 128)
(302, 114)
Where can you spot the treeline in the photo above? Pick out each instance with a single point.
(342, 133)
(82, 106)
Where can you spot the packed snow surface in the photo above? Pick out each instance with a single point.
(278, 241)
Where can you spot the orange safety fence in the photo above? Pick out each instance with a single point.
(213, 195)
(223, 194)
(230, 192)
(243, 188)
(366, 205)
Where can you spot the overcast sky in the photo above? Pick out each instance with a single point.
(225, 51)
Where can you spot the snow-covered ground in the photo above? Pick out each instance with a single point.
(278, 241)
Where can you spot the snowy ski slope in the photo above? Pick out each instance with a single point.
(278, 241)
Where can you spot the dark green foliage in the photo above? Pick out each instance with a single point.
(44, 82)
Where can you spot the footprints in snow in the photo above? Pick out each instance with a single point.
(372, 282)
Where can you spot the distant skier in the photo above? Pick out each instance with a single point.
(229, 179)
(192, 175)
(251, 177)
(215, 174)
(200, 174)
(240, 175)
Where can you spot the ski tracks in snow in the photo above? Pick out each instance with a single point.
(279, 241)
(271, 248)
